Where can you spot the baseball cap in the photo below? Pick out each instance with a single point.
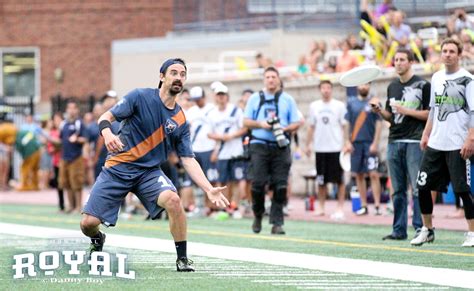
(215, 84)
(196, 93)
(221, 88)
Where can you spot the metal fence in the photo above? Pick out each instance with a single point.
(238, 15)
(59, 102)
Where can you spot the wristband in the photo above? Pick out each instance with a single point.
(103, 124)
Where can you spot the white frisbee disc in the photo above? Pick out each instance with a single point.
(345, 161)
(360, 75)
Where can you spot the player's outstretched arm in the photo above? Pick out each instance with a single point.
(195, 172)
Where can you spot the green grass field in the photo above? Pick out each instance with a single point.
(155, 270)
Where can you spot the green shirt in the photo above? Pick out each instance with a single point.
(26, 143)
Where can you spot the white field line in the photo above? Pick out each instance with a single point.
(436, 276)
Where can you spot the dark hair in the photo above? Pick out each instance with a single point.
(453, 41)
(322, 82)
(169, 62)
(250, 91)
(271, 69)
(72, 100)
(408, 52)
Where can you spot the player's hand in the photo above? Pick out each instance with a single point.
(467, 149)
(373, 149)
(348, 148)
(111, 141)
(398, 108)
(217, 198)
(424, 142)
(307, 152)
(73, 138)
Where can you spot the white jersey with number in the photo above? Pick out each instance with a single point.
(224, 122)
(328, 120)
(452, 97)
(200, 127)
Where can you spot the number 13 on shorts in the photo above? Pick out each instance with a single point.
(421, 179)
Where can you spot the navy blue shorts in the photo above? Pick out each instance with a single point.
(110, 190)
(209, 168)
(362, 161)
(231, 170)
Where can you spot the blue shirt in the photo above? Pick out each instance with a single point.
(93, 131)
(72, 151)
(366, 131)
(149, 131)
(287, 112)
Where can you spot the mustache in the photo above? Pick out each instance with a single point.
(177, 83)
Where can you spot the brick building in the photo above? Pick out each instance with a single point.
(72, 39)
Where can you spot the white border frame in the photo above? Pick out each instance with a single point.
(26, 49)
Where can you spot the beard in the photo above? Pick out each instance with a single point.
(363, 92)
(176, 88)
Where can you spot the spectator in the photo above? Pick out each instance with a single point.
(346, 62)
(262, 61)
(303, 67)
(27, 144)
(227, 130)
(399, 31)
(71, 169)
(406, 109)
(325, 133)
(198, 117)
(458, 21)
(467, 47)
(363, 142)
(54, 149)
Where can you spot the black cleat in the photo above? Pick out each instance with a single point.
(394, 237)
(97, 244)
(257, 224)
(278, 229)
(184, 265)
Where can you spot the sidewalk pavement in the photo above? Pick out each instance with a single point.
(296, 210)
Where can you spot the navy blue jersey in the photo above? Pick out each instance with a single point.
(72, 151)
(149, 131)
(361, 119)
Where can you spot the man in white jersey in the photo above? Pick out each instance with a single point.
(325, 132)
(227, 129)
(448, 141)
(198, 117)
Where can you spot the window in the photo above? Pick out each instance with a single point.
(20, 72)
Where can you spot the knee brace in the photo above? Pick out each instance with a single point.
(426, 204)
(279, 193)
(467, 204)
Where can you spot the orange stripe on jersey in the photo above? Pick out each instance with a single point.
(180, 118)
(145, 146)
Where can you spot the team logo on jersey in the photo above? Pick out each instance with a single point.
(411, 98)
(170, 126)
(453, 98)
